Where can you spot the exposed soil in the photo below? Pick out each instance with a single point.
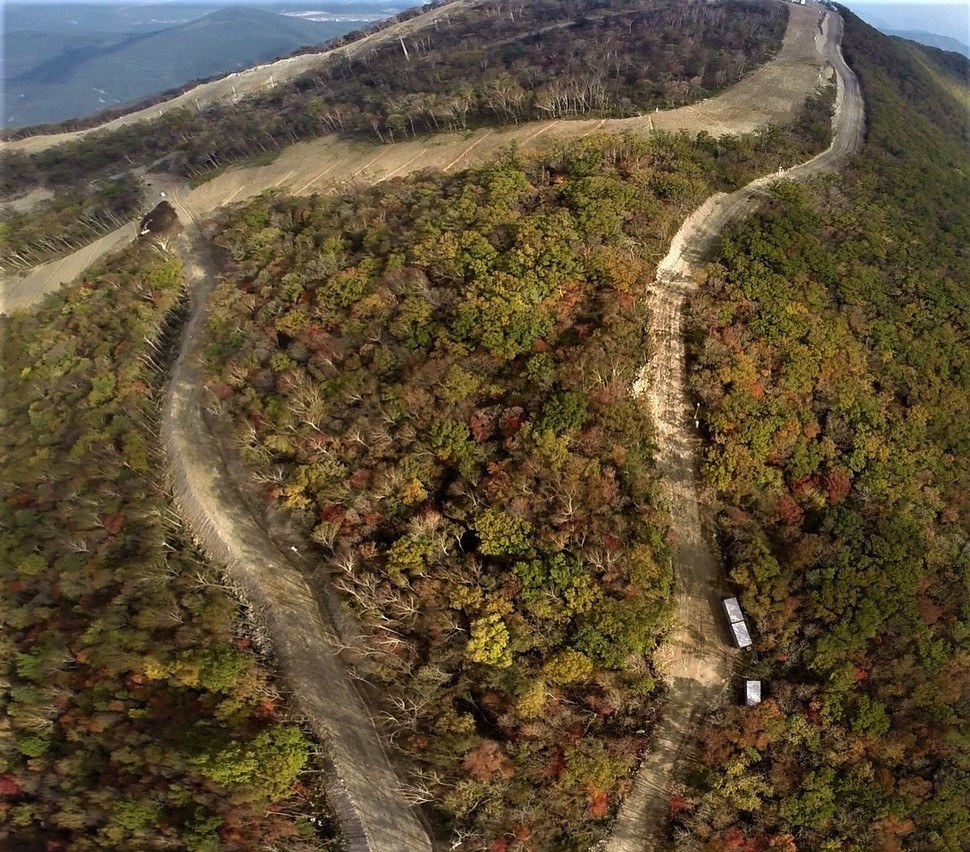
(303, 631)
(698, 659)
(27, 202)
(772, 94)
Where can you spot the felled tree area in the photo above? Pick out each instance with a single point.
(833, 368)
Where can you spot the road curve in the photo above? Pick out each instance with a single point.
(365, 792)
(303, 633)
(697, 659)
(772, 94)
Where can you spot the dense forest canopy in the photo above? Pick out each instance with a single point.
(135, 714)
(434, 377)
(833, 367)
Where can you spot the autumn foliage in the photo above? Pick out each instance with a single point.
(844, 480)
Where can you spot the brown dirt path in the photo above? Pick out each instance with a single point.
(697, 659)
(303, 632)
(366, 790)
(772, 94)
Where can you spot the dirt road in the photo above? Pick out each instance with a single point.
(363, 787)
(697, 659)
(365, 790)
(771, 94)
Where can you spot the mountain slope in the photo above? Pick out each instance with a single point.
(932, 40)
(97, 70)
(834, 374)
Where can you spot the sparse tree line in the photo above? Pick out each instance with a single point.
(67, 222)
(832, 357)
(542, 60)
(490, 64)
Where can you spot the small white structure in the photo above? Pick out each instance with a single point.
(752, 692)
(742, 638)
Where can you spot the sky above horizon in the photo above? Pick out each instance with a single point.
(944, 17)
(933, 16)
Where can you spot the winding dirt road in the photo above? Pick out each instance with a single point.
(773, 94)
(304, 632)
(698, 659)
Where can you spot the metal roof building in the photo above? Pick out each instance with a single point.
(742, 638)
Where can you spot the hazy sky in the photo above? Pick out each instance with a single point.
(949, 19)
(946, 17)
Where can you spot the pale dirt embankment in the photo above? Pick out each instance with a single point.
(697, 658)
(772, 94)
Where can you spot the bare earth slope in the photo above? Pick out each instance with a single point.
(772, 94)
(697, 657)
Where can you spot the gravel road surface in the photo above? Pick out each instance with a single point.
(363, 786)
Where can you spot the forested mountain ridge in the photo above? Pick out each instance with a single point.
(94, 70)
(434, 377)
(833, 367)
(81, 420)
(547, 58)
(479, 67)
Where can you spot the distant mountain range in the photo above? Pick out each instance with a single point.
(65, 61)
(943, 25)
(932, 40)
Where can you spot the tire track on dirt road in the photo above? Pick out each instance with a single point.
(304, 632)
(697, 659)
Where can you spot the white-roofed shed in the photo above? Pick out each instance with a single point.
(733, 610)
(741, 636)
